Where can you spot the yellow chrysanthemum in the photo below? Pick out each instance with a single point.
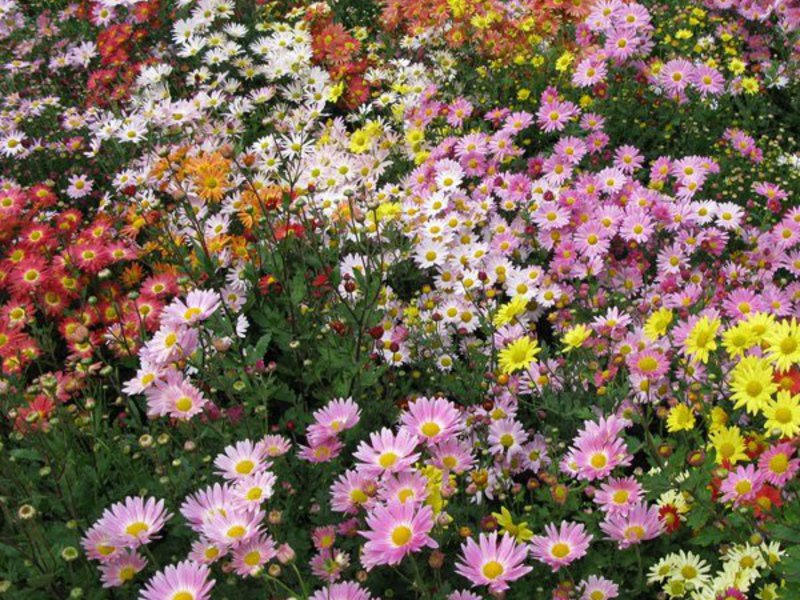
(760, 324)
(752, 383)
(783, 415)
(509, 312)
(575, 337)
(784, 344)
(680, 418)
(738, 339)
(518, 355)
(728, 444)
(506, 522)
(702, 339)
(658, 323)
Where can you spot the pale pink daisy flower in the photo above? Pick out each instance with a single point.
(347, 590)
(349, 492)
(387, 452)
(598, 588)
(675, 75)
(554, 116)
(778, 465)
(335, 417)
(98, 543)
(464, 595)
(707, 80)
(408, 486)
(322, 450)
(206, 552)
(589, 72)
(187, 580)
(232, 527)
(560, 547)
(617, 495)
(250, 557)
(741, 485)
(253, 491)
(637, 525)
(595, 458)
(79, 186)
(198, 306)
(135, 521)
(122, 569)
(506, 435)
(206, 503)
(395, 531)
(174, 397)
(275, 445)
(241, 460)
(491, 563)
(432, 419)
(453, 455)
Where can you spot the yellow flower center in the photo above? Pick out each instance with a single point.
(243, 467)
(620, 496)
(137, 527)
(779, 463)
(252, 558)
(183, 595)
(254, 493)
(184, 403)
(507, 440)
(754, 388)
(430, 429)
(191, 313)
(647, 364)
(387, 459)
(783, 415)
(598, 460)
(450, 462)
(788, 345)
(634, 532)
(492, 569)
(405, 494)
(126, 573)
(560, 550)
(401, 535)
(743, 487)
(358, 496)
(236, 532)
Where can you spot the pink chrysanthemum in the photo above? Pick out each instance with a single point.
(386, 452)
(135, 521)
(122, 569)
(337, 416)
(778, 465)
(409, 486)
(640, 523)
(432, 420)
(250, 557)
(560, 547)
(187, 580)
(618, 495)
(492, 563)
(231, 527)
(275, 445)
(347, 590)
(395, 531)
(206, 503)
(198, 306)
(598, 588)
(242, 460)
(741, 485)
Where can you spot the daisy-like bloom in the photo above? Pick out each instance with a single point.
(506, 435)
(464, 595)
(492, 563)
(560, 547)
(98, 543)
(432, 420)
(230, 528)
(205, 551)
(707, 80)
(409, 486)
(122, 569)
(778, 465)
(784, 344)
(350, 491)
(79, 186)
(242, 460)
(680, 418)
(728, 444)
(395, 531)
(253, 491)
(335, 417)
(321, 450)
(595, 458)
(741, 485)
(387, 452)
(647, 363)
(453, 455)
(187, 580)
(135, 521)
(250, 557)
(701, 340)
(554, 116)
(783, 415)
(598, 588)
(690, 569)
(752, 383)
(617, 495)
(347, 590)
(198, 306)
(637, 525)
(206, 503)
(275, 445)
(518, 355)
(174, 397)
